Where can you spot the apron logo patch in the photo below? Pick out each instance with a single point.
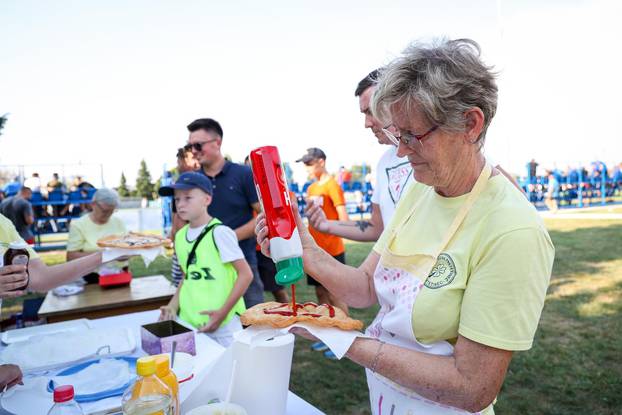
(443, 273)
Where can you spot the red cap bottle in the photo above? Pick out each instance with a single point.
(285, 246)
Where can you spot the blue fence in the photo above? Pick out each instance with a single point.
(574, 190)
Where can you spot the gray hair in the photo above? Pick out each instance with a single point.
(107, 197)
(444, 79)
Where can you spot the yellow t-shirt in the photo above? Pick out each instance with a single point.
(84, 233)
(489, 283)
(9, 234)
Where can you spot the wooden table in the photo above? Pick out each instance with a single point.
(145, 293)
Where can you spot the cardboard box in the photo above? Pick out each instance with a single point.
(157, 338)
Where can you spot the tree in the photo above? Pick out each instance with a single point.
(3, 119)
(144, 187)
(122, 189)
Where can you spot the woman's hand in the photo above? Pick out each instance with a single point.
(299, 331)
(10, 375)
(11, 278)
(167, 312)
(216, 317)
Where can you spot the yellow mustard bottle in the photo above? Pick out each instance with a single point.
(166, 375)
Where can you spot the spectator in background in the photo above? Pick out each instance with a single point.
(34, 182)
(552, 192)
(185, 162)
(532, 166)
(326, 193)
(100, 222)
(19, 211)
(2, 195)
(55, 184)
(13, 187)
(234, 198)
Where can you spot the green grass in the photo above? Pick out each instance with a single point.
(575, 366)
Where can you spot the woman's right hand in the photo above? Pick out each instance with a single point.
(12, 277)
(167, 313)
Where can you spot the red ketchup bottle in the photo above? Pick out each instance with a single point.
(285, 246)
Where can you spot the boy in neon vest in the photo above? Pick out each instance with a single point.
(216, 275)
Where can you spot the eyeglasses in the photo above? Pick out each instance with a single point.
(406, 138)
(197, 146)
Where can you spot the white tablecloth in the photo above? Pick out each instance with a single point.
(208, 352)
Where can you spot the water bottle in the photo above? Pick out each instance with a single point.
(64, 403)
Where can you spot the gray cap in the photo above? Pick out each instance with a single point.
(313, 153)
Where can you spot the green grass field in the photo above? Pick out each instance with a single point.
(575, 366)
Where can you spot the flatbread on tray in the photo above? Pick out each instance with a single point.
(133, 240)
(311, 313)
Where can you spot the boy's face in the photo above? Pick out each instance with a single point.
(191, 204)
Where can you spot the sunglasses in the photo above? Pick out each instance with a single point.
(197, 146)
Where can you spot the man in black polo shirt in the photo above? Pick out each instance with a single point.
(234, 197)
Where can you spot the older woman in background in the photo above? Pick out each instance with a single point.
(462, 269)
(100, 222)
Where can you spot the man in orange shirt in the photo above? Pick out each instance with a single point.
(327, 193)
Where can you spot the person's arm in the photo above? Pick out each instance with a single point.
(355, 286)
(469, 380)
(361, 230)
(248, 229)
(29, 217)
(71, 255)
(44, 278)
(170, 311)
(245, 276)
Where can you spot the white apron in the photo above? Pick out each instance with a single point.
(398, 279)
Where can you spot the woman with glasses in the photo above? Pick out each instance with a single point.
(100, 222)
(461, 271)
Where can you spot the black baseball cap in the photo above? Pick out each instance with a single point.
(187, 181)
(313, 153)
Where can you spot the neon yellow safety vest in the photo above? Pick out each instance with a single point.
(208, 282)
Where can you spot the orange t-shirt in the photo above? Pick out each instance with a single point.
(332, 196)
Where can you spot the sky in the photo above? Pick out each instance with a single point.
(91, 83)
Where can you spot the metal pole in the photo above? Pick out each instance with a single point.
(580, 187)
(602, 187)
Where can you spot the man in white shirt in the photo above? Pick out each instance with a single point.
(393, 177)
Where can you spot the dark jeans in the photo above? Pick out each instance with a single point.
(254, 293)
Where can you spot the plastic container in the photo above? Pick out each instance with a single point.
(166, 375)
(64, 403)
(148, 395)
(272, 189)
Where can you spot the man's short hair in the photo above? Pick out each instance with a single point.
(369, 80)
(207, 124)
